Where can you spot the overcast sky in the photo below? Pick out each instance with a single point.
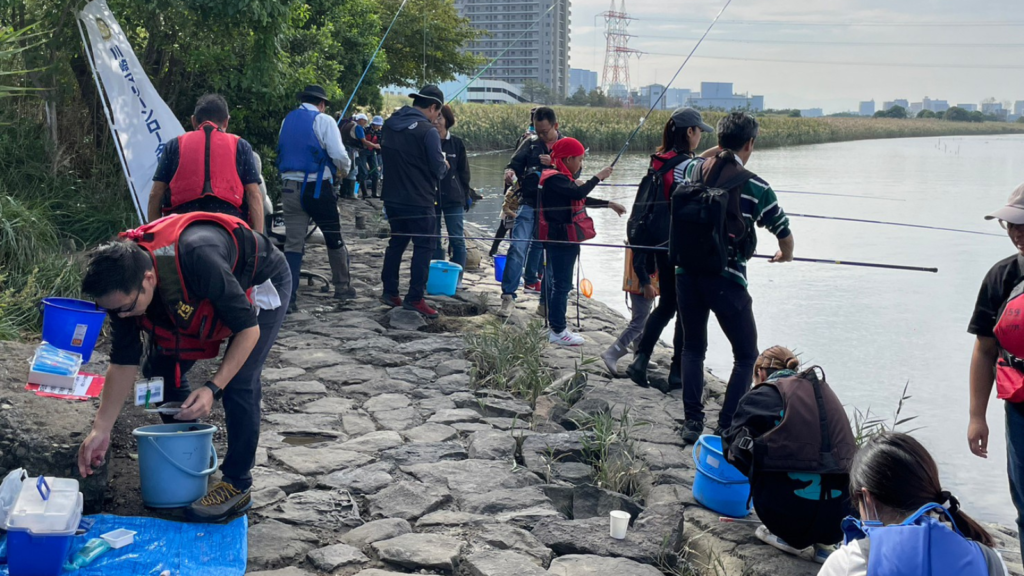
(953, 50)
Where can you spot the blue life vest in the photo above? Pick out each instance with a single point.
(298, 149)
(920, 546)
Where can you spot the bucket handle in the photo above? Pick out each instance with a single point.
(203, 474)
(696, 452)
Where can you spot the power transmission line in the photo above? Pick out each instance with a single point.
(836, 63)
(846, 43)
(962, 24)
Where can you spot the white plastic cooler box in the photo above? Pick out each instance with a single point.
(42, 525)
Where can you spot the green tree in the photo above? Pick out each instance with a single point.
(426, 44)
(794, 114)
(578, 98)
(977, 116)
(926, 114)
(957, 114)
(537, 93)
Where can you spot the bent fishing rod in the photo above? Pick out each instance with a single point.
(370, 63)
(790, 192)
(665, 249)
(665, 91)
(496, 58)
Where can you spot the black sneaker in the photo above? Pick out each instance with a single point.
(220, 503)
(692, 430)
(720, 431)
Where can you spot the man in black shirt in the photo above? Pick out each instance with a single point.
(215, 268)
(998, 352)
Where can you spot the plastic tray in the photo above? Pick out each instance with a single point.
(119, 538)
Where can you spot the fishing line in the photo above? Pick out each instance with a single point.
(372, 58)
(792, 192)
(903, 224)
(665, 90)
(513, 43)
(475, 154)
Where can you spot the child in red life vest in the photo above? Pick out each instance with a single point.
(563, 225)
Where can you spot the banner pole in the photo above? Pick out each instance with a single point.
(110, 123)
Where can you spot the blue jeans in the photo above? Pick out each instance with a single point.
(519, 251)
(454, 221)
(561, 262)
(1015, 461)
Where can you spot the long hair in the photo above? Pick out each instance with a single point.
(901, 475)
(673, 138)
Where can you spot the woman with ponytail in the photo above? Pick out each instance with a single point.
(791, 436)
(908, 523)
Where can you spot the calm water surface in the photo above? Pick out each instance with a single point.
(872, 330)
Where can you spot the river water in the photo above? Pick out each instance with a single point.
(873, 331)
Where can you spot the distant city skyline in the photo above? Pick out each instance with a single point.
(834, 57)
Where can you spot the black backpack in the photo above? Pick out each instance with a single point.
(706, 225)
(649, 221)
(348, 134)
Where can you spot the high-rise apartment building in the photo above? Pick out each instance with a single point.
(542, 55)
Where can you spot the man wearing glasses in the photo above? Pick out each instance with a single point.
(184, 280)
(998, 325)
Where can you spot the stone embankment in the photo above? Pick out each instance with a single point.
(380, 455)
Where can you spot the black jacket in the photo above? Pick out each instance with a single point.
(454, 187)
(559, 192)
(411, 150)
(526, 164)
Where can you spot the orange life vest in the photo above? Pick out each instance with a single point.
(191, 329)
(206, 166)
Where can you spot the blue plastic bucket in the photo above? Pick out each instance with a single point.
(719, 486)
(443, 277)
(499, 267)
(72, 325)
(174, 463)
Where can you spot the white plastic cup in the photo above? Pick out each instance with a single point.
(619, 524)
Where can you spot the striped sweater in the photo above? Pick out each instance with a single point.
(759, 205)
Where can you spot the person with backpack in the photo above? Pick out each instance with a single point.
(640, 282)
(453, 191)
(208, 170)
(791, 437)
(562, 218)
(375, 165)
(907, 523)
(997, 324)
(309, 155)
(191, 282)
(648, 225)
(523, 259)
(353, 136)
(714, 211)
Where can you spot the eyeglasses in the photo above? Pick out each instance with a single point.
(130, 309)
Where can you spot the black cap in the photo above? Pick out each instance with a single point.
(430, 92)
(686, 117)
(314, 91)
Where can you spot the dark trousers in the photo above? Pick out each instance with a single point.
(406, 220)
(1015, 461)
(561, 261)
(663, 313)
(241, 396)
(697, 297)
(803, 509)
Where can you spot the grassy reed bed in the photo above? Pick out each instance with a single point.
(494, 127)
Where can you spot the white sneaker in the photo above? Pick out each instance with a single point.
(764, 535)
(508, 304)
(565, 338)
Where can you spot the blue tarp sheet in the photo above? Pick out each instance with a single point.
(183, 549)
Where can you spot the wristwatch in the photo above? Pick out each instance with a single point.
(218, 392)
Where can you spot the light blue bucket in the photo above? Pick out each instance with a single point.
(718, 485)
(443, 278)
(174, 463)
(72, 325)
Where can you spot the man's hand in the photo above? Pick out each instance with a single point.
(649, 292)
(545, 159)
(197, 405)
(977, 437)
(618, 208)
(92, 452)
(785, 253)
(781, 256)
(604, 173)
(509, 175)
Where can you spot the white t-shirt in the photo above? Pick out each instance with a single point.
(850, 560)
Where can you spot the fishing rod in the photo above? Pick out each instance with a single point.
(475, 154)
(665, 249)
(903, 224)
(370, 63)
(791, 192)
(496, 58)
(665, 91)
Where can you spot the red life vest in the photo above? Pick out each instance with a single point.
(206, 166)
(669, 178)
(1009, 331)
(580, 229)
(190, 330)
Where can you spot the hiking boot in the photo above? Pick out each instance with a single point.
(508, 304)
(532, 288)
(565, 338)
(345, 294)
(388, 300)
(422, 307)
(637, 370)
(220, 503)
(542, 310)
(692, 430)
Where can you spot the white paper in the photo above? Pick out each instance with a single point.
(81, 387)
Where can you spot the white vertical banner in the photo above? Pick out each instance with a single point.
(140, 120)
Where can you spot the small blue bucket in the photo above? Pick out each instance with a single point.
(72, 325)
(719, 486)
(443, 278)
(499, 268)
(175, 462)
